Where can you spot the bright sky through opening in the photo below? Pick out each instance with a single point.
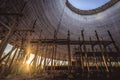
(88, 4)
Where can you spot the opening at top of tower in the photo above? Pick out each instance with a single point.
(88, 4)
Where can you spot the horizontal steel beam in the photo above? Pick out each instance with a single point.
(97, 54)
(72, 42)
(85, 68)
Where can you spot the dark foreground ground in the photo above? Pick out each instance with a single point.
(63, 76)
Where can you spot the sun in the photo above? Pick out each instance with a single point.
(30, 58)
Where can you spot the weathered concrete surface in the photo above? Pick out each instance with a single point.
(51, 13)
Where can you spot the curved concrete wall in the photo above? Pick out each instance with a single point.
(54, 13)
(51, 14)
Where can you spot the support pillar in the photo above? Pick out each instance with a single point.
(94, 55)
(85, 50)
(103, 57)
(69, 52)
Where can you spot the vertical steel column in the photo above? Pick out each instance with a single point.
(46, 52)
(38, 63)
(41, 60)
(94, 55)
(55, 46)
(69, 52)
(76, 63)
(103, 57)
(110, 57)
(81, 58)
(53, 49)
(40, 57)
(116, 47)
(107, 56)
(49, 60)
(15, 53)
(59, 59)
(36, 55)
(85, 50)
(55, 55)
(21, 48)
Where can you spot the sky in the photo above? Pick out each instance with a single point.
(87, 4)
(8, 48)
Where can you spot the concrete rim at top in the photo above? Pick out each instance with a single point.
(93, 11)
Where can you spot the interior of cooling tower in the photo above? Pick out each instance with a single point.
(59, 40)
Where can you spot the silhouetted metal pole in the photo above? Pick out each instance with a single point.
(81, 57)
(69, 52)
(103, 57)
(15, 53)
(116, 47)
(85, 50)
(94, 55)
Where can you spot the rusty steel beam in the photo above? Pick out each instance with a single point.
(69, 52)
(115, 45)
(85, 50)
(102, 51)
(98, 54)
(72, 42)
